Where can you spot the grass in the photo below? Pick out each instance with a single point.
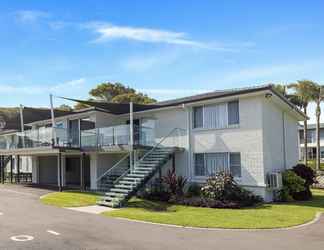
(265, 216)
(70, 199)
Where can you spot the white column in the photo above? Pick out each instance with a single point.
(93, 170)
(53, 118)
(131, 135)
(35, 169)
(63, 164)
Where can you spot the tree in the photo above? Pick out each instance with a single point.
(65, 107)
(303, 94)
(117, 93)
(318, 97)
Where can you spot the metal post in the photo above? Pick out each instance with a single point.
(2, 169)
(18, 168)
(59, 171)
(53, 120)
(22, 126)
(173, 162)
(131, 135)
(11, 169)
(82, 186)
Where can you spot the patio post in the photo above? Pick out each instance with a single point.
(131, 135)
(82, 186)
(2, 169)
(11, 168)
(59, 166)
(18, 168)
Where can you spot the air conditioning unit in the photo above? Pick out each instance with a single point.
(274, 180)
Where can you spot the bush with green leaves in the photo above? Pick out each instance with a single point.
(308, 174)
(194, 190)
(292, 184)
(175, 184)
(222, 187)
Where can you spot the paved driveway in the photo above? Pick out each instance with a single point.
(56, 228)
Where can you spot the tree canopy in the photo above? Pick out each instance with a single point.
(117, 93)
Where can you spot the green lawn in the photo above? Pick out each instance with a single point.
(70, 199)
(264, 216)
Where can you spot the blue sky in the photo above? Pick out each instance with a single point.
(166, 49)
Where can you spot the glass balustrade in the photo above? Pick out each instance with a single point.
(36, 138)
(99, 137)
(117, 136)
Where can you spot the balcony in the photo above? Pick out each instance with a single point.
(117, 136)
(37, 138)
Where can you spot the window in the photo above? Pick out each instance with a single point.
(216, 116)
(198, 117)
(199, 164)
(210, 163)
(235, 164)
(233, 113)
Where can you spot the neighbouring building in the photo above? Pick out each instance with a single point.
(311, 141)
(251, 133)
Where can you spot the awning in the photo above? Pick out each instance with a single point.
(115, 108)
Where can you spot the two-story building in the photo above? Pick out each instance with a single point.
(117, 148)
(311, 141)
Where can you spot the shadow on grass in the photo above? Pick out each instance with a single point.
(152, 206)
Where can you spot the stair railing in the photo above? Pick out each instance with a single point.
(160, 142)
(113, 167)
(150, 151)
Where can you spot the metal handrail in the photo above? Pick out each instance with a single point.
(160, 142)
(156, 145)
(113, 167)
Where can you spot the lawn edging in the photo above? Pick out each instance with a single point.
(311, 222)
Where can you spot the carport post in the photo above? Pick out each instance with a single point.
(59, 165)
(18, 168)
(2, 169)
(82, 187)
(11, 168)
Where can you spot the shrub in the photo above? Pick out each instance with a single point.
(194, 190)
(175, 184)
(308, 174)
(155, 192)
(292, 184)
(222, 187)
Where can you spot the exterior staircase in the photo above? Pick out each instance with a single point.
(127, 184)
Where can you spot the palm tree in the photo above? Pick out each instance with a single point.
(303, 94)
(318, 97)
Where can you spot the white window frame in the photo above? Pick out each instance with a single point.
(203, 116)
(228, 155)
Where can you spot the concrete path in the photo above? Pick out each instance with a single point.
(25, 223)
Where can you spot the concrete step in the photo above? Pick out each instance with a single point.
(133, 179)
(126, 187)
(113, 194)
(120, 190)
(132, 183)
(108, 204)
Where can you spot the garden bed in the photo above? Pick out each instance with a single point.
(275, 215)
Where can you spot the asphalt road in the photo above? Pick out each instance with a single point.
(21, 213)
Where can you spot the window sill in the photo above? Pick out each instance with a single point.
(211, 129)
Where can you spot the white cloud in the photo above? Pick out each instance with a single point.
(292, 71)
(30, 16)
(42, 89)
(107, 32)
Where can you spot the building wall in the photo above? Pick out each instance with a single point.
(245, 138)
(47, 169)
